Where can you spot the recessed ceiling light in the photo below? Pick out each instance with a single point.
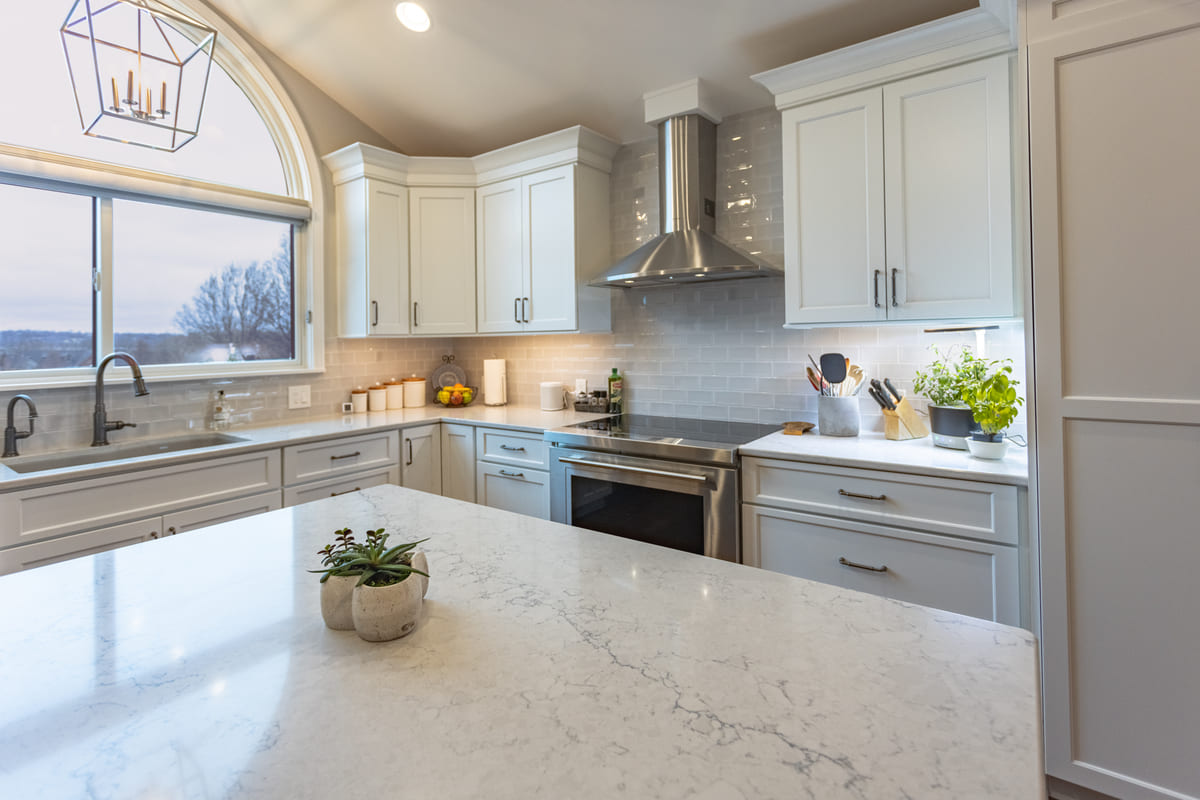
(412, 16)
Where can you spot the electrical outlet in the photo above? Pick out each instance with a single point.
(299, 397)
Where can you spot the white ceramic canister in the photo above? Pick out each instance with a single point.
(414, 392)
(358, 400)
(395, 394)
(554, 396)
(377, 398)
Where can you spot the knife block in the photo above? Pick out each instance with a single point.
(903, 423)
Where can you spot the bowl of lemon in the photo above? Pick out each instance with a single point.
(455, 396)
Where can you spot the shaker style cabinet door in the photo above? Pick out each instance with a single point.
(442, 260)
(500, 257)
(833, 200)
(421, 458)
(948, 193)
(549, 210)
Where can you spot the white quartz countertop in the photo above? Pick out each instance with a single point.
(873, 451)
(521, 418)
(548, 662)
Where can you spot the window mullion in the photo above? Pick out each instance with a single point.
(102, 279)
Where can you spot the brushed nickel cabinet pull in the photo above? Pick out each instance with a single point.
(844, 493)
(507, 474)
(875, 287)
(410, 455)
(512, 449)
(516, 309)
(415, 323)
(374, 313)
(348, 491)
(895, 302)
(525, 309)
(355, 454)
(845, 562)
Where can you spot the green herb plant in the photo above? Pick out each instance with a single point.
(372, 560)
(994, 401)
(950, 375)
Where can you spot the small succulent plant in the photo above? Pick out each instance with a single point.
(371, 560)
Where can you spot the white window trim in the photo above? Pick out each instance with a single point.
(302, 171)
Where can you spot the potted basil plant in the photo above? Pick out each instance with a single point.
(943, 383)
(993, 402)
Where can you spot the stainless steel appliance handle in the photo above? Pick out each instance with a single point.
(642, 470)
(847, 563)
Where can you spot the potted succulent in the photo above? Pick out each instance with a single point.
(371, 588)
(943, 383)
(993, 402)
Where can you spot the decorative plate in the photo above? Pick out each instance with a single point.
(448, 374)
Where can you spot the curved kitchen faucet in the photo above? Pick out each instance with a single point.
(11, 435)
(100, 424)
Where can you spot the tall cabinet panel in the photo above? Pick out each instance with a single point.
(500, 256)
(442, 260)
(1115, 179)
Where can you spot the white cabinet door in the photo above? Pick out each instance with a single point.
(15, 559)
(500, 257)
(517, 489)
(948, 198)
(421, 459)
(180, 521)
(442, 260)
(372, 258)
(833, 200)
(548, 198)
(458, 461)
(967, 577)
(1115, 179)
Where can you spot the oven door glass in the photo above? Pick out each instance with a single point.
(654, 515)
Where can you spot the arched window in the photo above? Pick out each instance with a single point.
(201, 262)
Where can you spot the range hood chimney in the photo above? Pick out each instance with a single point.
(688, 249)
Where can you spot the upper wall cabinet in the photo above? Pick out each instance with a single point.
(897, 163)
(415, 235)
(539, 238)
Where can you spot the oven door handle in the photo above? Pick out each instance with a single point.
(643, 470)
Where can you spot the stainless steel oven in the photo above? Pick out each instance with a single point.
(654, 479)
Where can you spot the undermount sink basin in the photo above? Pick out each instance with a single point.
(118, 452)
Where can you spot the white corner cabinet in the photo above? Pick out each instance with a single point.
(898, 178)
(938, 542)
(428, 247)
(540, 237)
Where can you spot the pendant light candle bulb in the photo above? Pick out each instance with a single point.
(412, 16)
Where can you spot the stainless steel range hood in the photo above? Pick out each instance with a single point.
(687, 250)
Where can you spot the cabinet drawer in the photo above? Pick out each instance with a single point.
(960, 508)
(332, 457)
(510, 447)
(48, 511)
(181, 521)
(979, 579)
(319, 490)
(28, 556)
(523, 491)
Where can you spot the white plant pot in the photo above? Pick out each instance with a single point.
(336, 608)
(992, 451)
(388, 612)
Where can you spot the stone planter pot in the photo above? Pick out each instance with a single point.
(950, 426)
(388, 612)
(336, 608)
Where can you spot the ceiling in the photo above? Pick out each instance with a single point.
(490, 73)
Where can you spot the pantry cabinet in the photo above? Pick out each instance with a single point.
(442, 260)
(898, 198)
(540, 237)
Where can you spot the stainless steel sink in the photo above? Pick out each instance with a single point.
(118, 452)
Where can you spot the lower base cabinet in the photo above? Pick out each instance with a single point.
(518, 489)
(421, 458)
(458, 461)
(979, 579)
(319, 490)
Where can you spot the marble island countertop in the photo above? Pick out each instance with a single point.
(549, 662)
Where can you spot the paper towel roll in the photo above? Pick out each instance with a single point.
(495, 382)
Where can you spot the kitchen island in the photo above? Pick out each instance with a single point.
(548, 662)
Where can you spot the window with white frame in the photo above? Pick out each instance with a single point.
(199, 263)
